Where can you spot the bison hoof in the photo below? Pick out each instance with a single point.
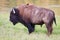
(30, 31)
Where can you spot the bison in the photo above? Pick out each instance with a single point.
(30, 15)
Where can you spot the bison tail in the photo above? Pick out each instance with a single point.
(55, 20)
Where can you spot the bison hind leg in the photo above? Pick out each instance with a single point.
(49, 28)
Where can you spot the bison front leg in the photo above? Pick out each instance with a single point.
(33, 26)
(49, 28)
(30, 27)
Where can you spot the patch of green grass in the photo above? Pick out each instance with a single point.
(19, 32)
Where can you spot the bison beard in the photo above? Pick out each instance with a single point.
(30, 15)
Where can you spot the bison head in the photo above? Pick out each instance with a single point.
(14, 16)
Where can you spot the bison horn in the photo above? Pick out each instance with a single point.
(13, 11)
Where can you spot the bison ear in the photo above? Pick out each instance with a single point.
(13, 11)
